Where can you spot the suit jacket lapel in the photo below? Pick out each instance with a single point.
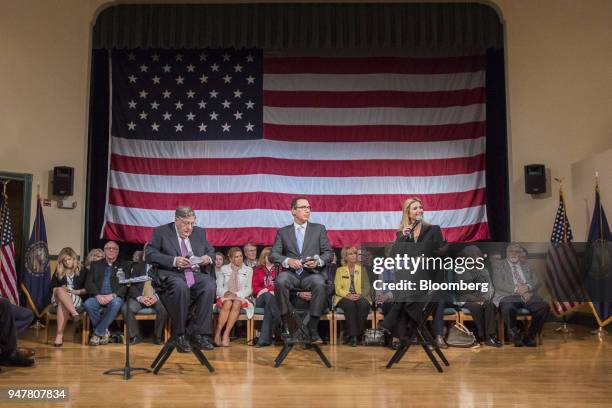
(174, 239)
(293, 239)
(307, 237)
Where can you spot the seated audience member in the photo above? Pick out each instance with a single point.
(106, 293)
(94, 255)
(516, 287)
(480, 305)
(263, 288)
(352, 294)
(68, 287)
(250, 255)
(219, 261)
(233, 287)
(14, 320)
(140, 296)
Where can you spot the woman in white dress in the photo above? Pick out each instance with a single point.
(234, 286)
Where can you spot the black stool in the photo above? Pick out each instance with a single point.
(423, 337)
(301, 335)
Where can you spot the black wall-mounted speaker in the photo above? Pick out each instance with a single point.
(535, 179)
(63, 181)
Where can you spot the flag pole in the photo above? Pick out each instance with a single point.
(4, 198)
(600, 332)
(563, 329)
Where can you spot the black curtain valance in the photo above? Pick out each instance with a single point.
(414, 26)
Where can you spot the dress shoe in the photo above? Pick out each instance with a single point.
(182, 345)
(395, 345)
(352, 341)
(262, 344)
(201, 342)
(440, 342)
(492, 342)
(58, 344)
(516, 338)
(135, 340)
(16, 360)
(25, 352)
(530, 341)
(314, 336)
(158, 341)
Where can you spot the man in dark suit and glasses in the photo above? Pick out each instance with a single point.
(294, 244)
(188, 289)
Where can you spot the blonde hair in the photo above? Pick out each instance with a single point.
(405, 213)
(232, 251)
(346, 251)
(61, 270)
(90, 256)
(262, 257)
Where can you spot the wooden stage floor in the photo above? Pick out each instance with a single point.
(573, 371)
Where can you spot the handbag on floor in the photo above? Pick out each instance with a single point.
(460, 336)
(373, 337)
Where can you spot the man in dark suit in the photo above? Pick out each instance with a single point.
(187, 284)
(105, 301)
(516, 287)
(303, 250)
(13, 320)
(143, 296)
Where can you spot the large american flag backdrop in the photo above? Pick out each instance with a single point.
(236, 134)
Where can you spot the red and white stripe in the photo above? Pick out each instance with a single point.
(8, 274)
(356, 136)
(562, 278)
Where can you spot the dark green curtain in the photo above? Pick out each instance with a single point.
(427, 27)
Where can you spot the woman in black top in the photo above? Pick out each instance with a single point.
(67, 283)
(412, 229)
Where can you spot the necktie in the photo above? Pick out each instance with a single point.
(299, 235)
(188, 272)
(515, 274)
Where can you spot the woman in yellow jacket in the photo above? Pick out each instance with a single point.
(352, 294)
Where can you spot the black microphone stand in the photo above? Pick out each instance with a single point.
(126, 370)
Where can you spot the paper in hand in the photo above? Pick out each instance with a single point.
(196, 260)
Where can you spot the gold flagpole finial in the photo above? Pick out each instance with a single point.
(560, 181)
(5, 182)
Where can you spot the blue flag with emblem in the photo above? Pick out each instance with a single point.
(600, 239)
(36, 276)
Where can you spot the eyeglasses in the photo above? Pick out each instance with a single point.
(303, 207)
(111, 249)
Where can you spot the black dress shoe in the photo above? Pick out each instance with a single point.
(16, 360)
(135, 340)
(492, 342)
(158, 341)
(352, 341)
(260, 345)
(314, 337)
(529, 341)
(441, 343)
(201, 342)
(516, 338)
(182, 345)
